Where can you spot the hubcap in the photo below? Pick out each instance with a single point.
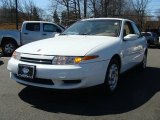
(113, 77)
(9, 48)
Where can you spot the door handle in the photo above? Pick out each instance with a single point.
(26, 33)
(44, 34)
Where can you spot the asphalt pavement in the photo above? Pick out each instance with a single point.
(137, 98)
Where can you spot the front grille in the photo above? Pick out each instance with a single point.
(37, 80)
(35, 60)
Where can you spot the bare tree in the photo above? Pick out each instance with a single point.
(94, 7)
(79, 8)
(74, 9)
(71, 9)
(140, 7)
(85, 8)
(75, 6)
(27, 11)
(8, 10)
(107, 8)
(64, 3)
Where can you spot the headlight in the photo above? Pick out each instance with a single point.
(67, 60)
(16, 55)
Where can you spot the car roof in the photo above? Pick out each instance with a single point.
(38, 22)
(106, 19)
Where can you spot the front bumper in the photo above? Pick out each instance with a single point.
(89, 74)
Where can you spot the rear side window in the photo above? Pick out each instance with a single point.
(33, 26)
(50, 28)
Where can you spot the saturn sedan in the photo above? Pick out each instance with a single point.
(90, 52)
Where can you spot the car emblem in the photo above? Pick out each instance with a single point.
(25, 70)
(38, 50)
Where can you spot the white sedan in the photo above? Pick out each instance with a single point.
(90, 52)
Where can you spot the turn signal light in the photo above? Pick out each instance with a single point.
(80, 59)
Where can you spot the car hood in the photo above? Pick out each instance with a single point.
(66, 45)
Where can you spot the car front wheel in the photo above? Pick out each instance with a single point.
(112, 77)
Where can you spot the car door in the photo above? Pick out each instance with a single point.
(140, 44)
(49, 30)
(129, 47)
(31, 32)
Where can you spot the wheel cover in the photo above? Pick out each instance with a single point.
(9, 48)
(113, 77)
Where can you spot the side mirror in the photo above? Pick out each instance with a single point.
(131, 37)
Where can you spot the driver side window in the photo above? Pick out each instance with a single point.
(137, 31)
(128, 29)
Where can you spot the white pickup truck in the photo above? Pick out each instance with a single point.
(30, 31)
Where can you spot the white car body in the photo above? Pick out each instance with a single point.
(129, 49)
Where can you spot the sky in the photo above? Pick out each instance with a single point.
(42, 3)
(152, 6)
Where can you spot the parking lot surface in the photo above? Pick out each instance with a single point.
(137, 98)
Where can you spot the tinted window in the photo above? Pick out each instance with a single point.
(50, 28)
(33, 26)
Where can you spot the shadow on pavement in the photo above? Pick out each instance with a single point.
(1, 62)
(136, 88)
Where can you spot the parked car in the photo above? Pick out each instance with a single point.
(151, 37)
(30, 31)
(90, 52)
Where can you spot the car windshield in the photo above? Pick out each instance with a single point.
(95, 27)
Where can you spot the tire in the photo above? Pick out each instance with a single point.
(8, 48)
(112, 77)
(143, 64)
